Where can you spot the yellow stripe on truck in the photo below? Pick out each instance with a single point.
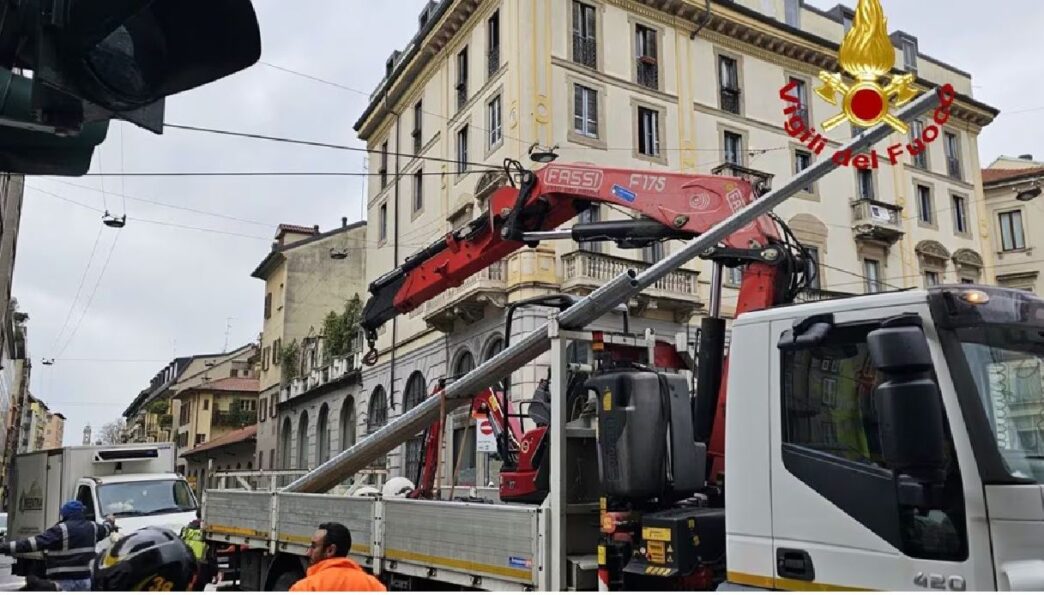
(236, 531)
(357, 548)
(515, 573)
(784, 584)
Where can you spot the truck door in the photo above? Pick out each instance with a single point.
(55, 494)
(836, 514)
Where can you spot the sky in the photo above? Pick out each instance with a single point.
(113, 307)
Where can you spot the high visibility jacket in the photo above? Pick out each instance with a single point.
(337, 574)
(69, 546)
(193, 538)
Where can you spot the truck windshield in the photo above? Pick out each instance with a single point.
(143, 498)
(998, 334)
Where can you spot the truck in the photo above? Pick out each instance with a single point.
(872, 442)
(136, 484)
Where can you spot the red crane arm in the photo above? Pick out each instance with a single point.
(685, 205)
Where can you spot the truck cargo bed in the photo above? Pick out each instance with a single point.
(492, 546)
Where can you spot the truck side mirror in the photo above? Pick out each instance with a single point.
(908, 403)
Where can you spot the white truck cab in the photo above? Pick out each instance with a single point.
(139, 500)
(888, 442)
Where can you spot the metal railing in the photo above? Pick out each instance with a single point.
(870, 211)
(235, 418)
(492, 276)
(493, 62)
(648, 74)
(953, 167)
(730, 100)
(585, 51)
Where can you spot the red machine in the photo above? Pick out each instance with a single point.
(666, 205)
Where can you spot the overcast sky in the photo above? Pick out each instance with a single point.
(169, 290)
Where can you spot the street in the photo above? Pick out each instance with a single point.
(8, 581)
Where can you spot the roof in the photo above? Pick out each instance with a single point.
(129, 477)
(233, 437)
(289, 227)
(273, 257)
(232, 385)
(993, 176)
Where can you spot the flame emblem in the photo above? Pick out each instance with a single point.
(867, 55)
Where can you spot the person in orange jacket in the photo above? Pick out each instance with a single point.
(330, 567)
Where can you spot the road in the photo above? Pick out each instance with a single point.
(8, 581)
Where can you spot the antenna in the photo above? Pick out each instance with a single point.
(228, 329)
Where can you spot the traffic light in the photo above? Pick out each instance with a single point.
(29, 148)
(94, 60)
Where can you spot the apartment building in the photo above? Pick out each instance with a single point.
(308, 275)
(637, 84)
(210, 410)
(1013, 196)
(54, 431)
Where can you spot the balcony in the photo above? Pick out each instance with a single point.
(467, 303)
(730, 100)
(953, 167)
(233, 418)
(877, 221)
(678, 292)
(760, 181)
(493, 62)
(585, 51)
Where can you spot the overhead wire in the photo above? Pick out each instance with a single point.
(94, 292)
(79, 290)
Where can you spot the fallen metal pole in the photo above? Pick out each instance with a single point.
(584, 312)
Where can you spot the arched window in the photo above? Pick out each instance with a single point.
(287, 436)
(302, 442)
(463, 363)
(347, 423)
(493, 347)
(377, 416)
(322, 434)
(416, 391)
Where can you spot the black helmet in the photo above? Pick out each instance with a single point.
(150, 559)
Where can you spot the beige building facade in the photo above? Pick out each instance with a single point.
(1013, 188)
(54, 432)
(632, 84)
(308, 274)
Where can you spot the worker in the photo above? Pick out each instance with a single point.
(330, 568)
(192, 535)
(149, 559)
(69, 546)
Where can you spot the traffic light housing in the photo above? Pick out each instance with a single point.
(98, 59)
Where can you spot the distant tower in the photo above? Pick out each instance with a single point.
(87, 435)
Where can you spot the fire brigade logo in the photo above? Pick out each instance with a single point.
(867, 56)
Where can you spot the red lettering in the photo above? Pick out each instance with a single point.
(817, 144)
(947, 95)
(861, 161)
(785, 93)
(843, 157)
(873, 159)
(942, 115)
(795, 126)
(894, 152)
(916, 147)
(930, 133)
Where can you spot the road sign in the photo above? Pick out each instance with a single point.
(485, 442)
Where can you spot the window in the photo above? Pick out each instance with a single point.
(953, 155)
(909, 56)
(734, 276)
(803, 161)
(931, 278)
(872, 273)
(265, 358)
(653, 253)
(646, 56)
(1012, 237)
(206, 404)
(414, 395)
(322, 433)
(347, 433)
(925, 212)
(585, 43)
(817, 281)
(418, 127)
(830, 435)
(728, 73)
(383, 171)
(462, 150)
(464, 438)
(494, 124)
(648, 132)
(277, 352)
(493, 37)
(86, 497)
(733, 148)
(377, 416)
(462, 78)
(960, 213)
(801, 92)
(865, 182)
(302, 441)
(916, 132)
(792, 8)
(263, 414)
(585, 111)
(200, 439)
(268, 305)
(382, 222)
(593, 214)
(418, 192)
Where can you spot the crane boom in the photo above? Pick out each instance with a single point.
(438, 268)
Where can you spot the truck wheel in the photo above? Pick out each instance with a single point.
(287, 580)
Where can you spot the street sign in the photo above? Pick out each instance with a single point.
(485, 442)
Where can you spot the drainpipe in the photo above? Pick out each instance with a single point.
(395, 250)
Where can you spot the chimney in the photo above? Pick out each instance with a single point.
(344, 222)
(1026, 157)
(315, 228)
